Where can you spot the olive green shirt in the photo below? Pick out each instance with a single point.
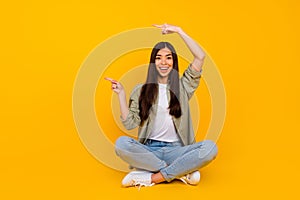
(183, 125)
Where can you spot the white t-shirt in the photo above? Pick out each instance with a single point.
(163, 129)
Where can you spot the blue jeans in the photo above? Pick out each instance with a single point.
(170, 158)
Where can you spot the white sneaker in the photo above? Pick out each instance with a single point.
(191, 178)
(137, 178)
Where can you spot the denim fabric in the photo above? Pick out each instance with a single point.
(187, 86)
(172, 159)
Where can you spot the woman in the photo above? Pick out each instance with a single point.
(166, 147)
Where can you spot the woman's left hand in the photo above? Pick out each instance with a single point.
(167, 28)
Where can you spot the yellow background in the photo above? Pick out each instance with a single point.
(255, 45)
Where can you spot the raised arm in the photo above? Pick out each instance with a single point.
(119, 89)
(195, 49)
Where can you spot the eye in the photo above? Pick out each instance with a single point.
(169, 57)
(157, 58)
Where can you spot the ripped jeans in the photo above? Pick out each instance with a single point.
(170, 158)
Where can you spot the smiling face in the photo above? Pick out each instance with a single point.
(164, 64)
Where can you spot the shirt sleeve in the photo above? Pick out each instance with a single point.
(133, 119)
(190, 80)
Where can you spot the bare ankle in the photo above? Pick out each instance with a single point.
(157, 178)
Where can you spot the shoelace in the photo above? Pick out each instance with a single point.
(185, 179)
(141, 184)
(140, 181)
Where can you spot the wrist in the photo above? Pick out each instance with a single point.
(122, 94)
(179, 30)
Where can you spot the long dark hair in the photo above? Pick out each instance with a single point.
(149, 90)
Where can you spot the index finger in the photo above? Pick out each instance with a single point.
(158, 26)
(110, 79)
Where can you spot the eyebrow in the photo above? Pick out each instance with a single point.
(166, 55)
